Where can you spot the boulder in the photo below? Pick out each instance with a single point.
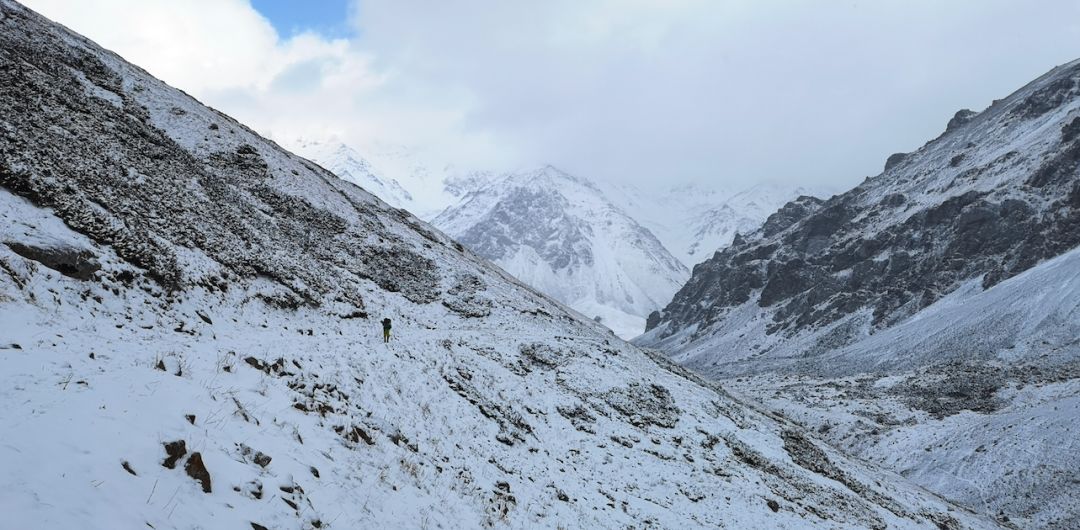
(71, 261)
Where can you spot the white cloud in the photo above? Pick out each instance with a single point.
(728, 91)
(230, 57)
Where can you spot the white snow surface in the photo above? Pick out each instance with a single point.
(526, 416)
(435, 460)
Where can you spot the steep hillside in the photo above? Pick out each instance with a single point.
(189, 339)
(993, 196)
(924, 319)
(560, 234)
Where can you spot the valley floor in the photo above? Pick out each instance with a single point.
(1001, 439)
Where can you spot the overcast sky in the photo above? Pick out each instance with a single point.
(723, 93)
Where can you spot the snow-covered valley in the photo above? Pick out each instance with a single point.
(189, 336)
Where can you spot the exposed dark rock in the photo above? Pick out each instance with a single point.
(542, 355)
(1071, 131)
(357, 433)
(1050, 96)
(175, 451)
(895, 159)
(645, 404)
(653, 320)
(77, 263)
(788, 215)
(465, 298)
(197, 470)
(578, 416)
(947, 389)
(814, 263)
(961, 118)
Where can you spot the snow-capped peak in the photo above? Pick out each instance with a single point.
(559, 233)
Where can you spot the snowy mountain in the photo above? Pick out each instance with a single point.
(560, 234)
(622, 289)
(934, 297)
(189, 336)
(349, 165)
(693, 221)
(402, 177)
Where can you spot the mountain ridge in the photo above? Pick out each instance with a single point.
(921, 320)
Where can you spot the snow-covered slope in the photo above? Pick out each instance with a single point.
(693, 221)
(189, 338)
(993, 196)
(560, 234)
(948, 280)
(977, 397)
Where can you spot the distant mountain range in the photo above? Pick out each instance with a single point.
(560, 234)
(614, 252)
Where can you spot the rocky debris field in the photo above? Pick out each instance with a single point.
(996, 437)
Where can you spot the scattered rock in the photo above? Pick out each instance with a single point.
(260, 458)
(645, 404)
(190, 418)
(773, 505)
(127, 467)
(197, 470)
(356, 434)
(176, 450)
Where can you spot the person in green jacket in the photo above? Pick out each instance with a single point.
(386, 330)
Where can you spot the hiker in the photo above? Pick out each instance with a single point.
(386, 330)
